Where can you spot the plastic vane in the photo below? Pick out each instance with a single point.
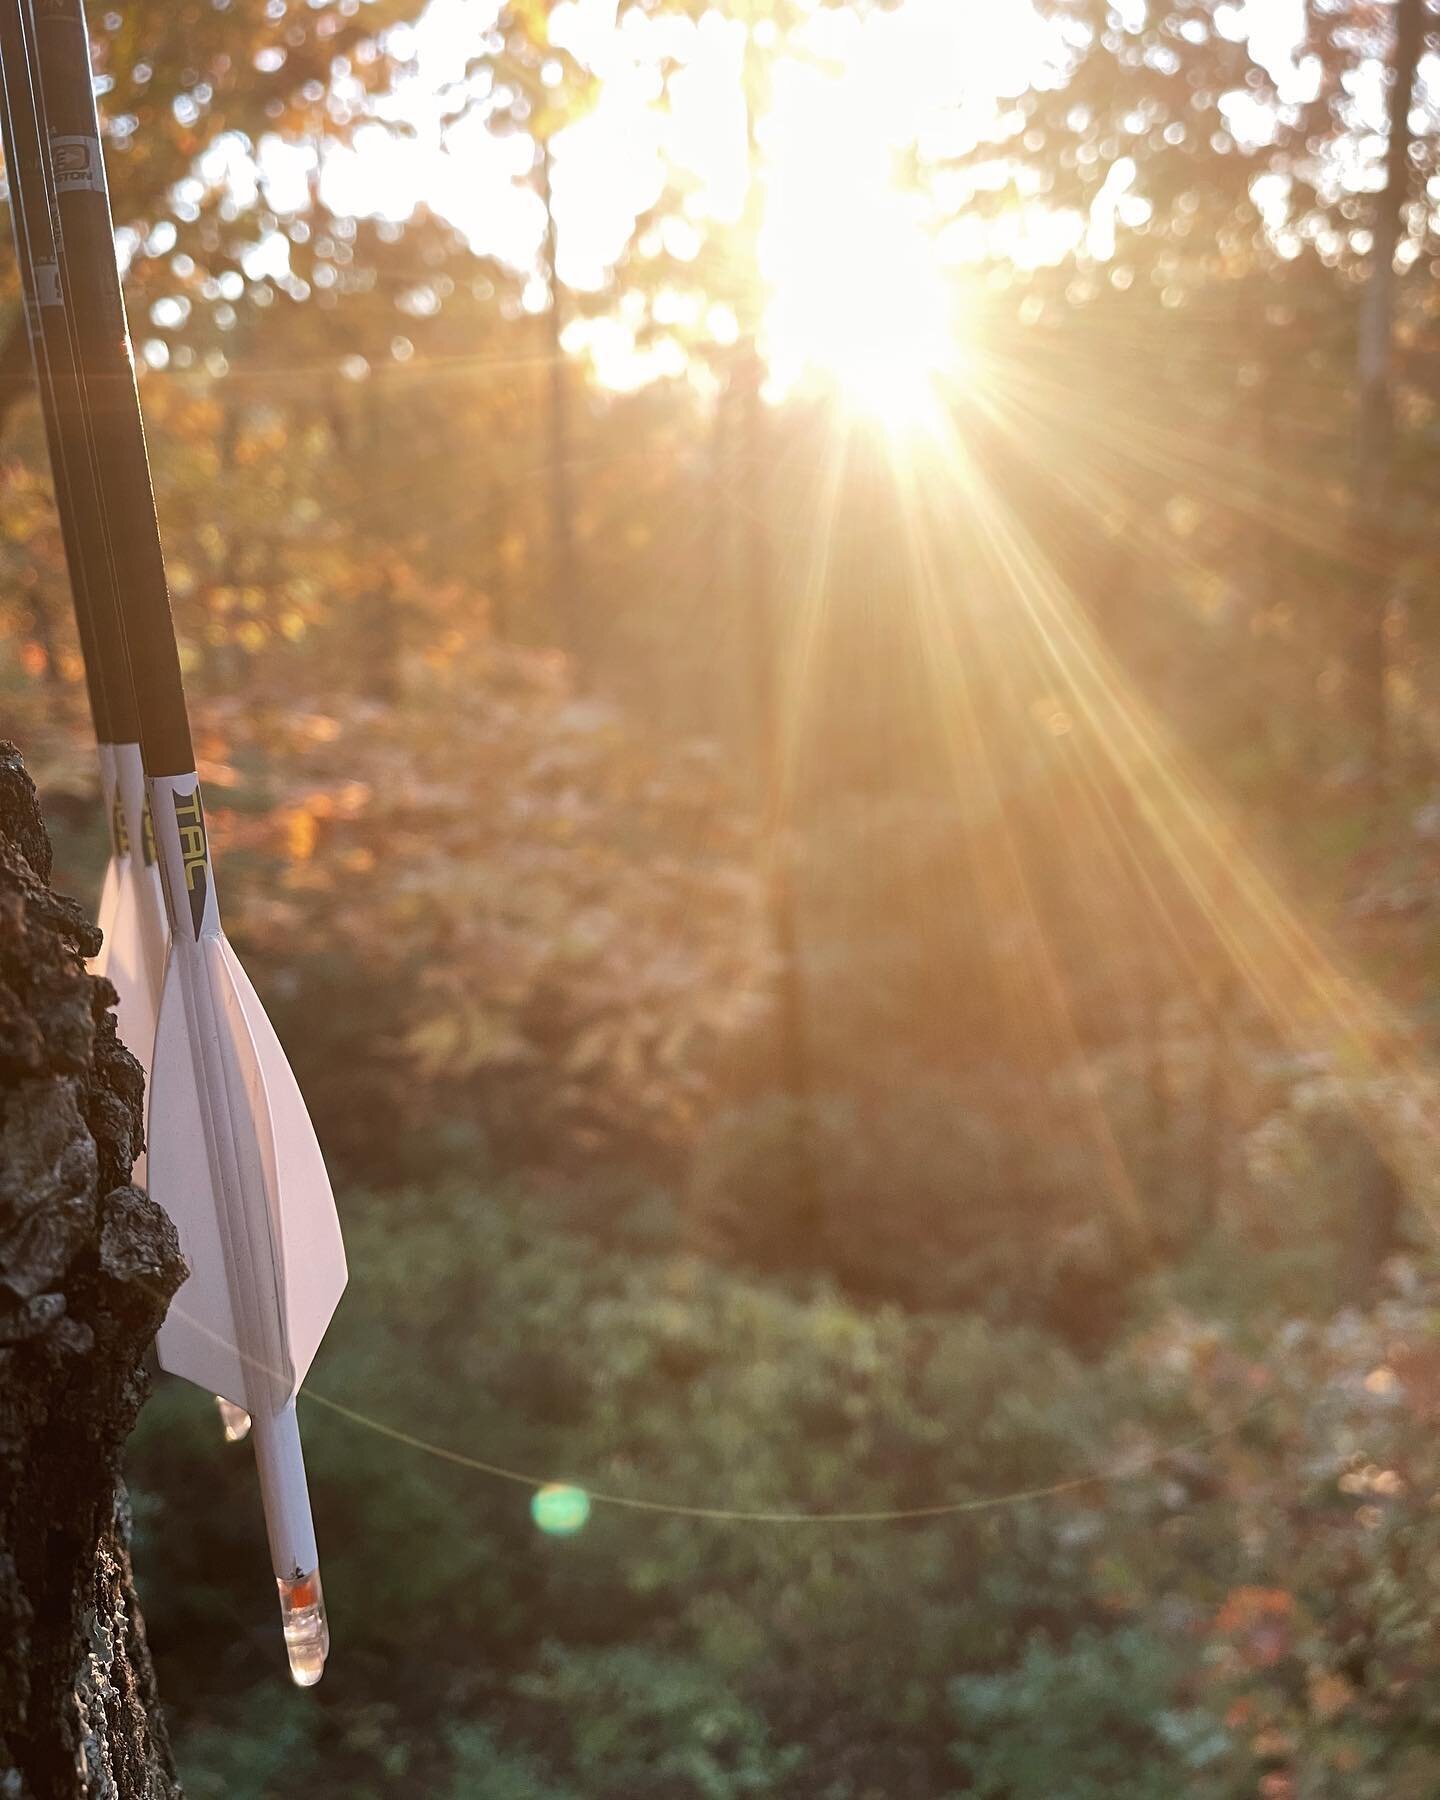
(232, 1156)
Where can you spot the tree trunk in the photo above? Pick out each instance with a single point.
(17, 379)
(1376, 549)
(1372, 1228)
(17, 374)
(766, 655)
(87, 1268)
(568, 610)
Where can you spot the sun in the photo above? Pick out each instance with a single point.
(856, 296)
(857, 301)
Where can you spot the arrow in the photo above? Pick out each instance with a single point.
(132, 907)
(134, 930)
(233, 1156)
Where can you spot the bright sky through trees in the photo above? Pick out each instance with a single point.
(853, 265)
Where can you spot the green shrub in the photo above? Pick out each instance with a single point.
(498, 1336)
(481, 1770)
(1095, 1720)
(637, 1724)
(1243, 1588)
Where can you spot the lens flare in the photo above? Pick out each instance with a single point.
(560, 1510)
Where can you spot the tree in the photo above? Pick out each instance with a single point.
(1375, 498)
(87, 1267)
(178, 80)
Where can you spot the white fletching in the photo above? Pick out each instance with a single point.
(236, 1166)
(132, 914)
(105, 918)
(144, 870)
(199, 1339)
(305, 1226)
(126, 967)
(110, 889)
(253, 1347)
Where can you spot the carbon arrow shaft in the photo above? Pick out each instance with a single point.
(87, 551)
(132, 914)
(60, 57)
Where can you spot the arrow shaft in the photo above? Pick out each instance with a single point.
(88, 556)
(57, 48)
(53, 352)
(281, 1468)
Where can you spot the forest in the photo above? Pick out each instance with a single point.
(806, 629)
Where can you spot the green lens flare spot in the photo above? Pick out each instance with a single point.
(560, 1510)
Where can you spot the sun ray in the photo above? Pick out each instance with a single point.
(1301, 982)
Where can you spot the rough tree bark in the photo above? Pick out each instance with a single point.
(87, 1268)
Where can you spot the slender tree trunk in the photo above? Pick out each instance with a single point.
(17, 379)
(567, 602)
(765, 658)
(1217, 1123)
(1157, 1074)
(1262, 423)
(1376, 544)
(87, 1267)
(45, 637)
(382, 632)
(17, 373)
(717, 585)
(502, 622)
